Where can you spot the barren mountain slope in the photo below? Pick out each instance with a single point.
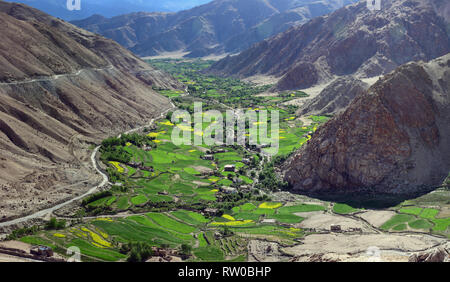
(216, 27)
(335, 97)
(351, 40)
(62, 86)
(107, 8)
(395, 138)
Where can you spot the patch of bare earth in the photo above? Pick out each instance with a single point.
(382, 247)
(323, 221)
(199, 183)
(262, 79)
(8, 258)
(444, 213)
(16, 245)
(202, 169)
(376, 218)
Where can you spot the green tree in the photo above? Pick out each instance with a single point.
(186, 249)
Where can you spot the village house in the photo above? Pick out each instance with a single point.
(134, 164)
(208, 157)
(244, 187)
(228, 190)
(42, 251)
(230, 168)
(208, 173)
(141, 166)
(147, 148)
(355, 229)
(211, 211)
(166, 254)
(335, 228)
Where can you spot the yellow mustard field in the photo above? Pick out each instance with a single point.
(266, 205)
(117, 166)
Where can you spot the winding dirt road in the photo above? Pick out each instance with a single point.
(56, 76)
(105, 181)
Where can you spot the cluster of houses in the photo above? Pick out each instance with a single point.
(147, 148)
(166, 254)
(211, 212)
(141, 166)
(228, 168)
(210, 153)
(37, 253)
(41, 251)
(257, 148)
(338, 229)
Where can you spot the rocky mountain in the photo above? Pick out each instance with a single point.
(440, 254)
(394, 138)
(62, 88)
(351, 40)
(335, 97)
(108, 8)
(220, 26)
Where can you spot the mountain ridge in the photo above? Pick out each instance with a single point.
(108, 8)
(62, 89)
(351, 40)
(392, 139)
(221, 26)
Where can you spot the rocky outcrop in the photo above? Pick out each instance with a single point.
(62, 87)
(221, 26)
(335, 97)
(441, 254)
(394, 138)
(351, 40)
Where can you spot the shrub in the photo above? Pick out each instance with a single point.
(55, 224)
(18, 233)
(117, 154)
(186, 249)
(95, 197)
(138, 252)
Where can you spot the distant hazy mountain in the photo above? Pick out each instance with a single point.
(219, 26)
(109, 8)
(351, 40)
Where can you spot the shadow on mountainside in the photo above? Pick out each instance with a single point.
(364, 199)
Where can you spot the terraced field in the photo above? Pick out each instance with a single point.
(182, 199)
(419, 218)
(101, 238)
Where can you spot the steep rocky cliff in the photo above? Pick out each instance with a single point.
(394, 138)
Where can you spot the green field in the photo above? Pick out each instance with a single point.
(343, 208)
(396, 220)
(174, 197)
(301, 208)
